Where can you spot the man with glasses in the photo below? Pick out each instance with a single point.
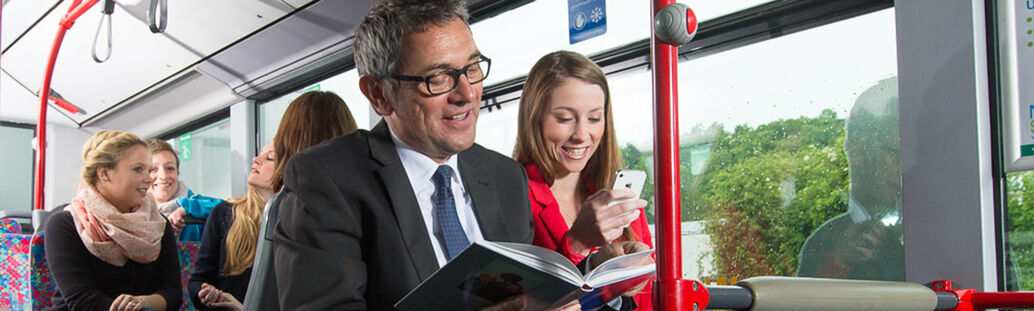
(367, 216)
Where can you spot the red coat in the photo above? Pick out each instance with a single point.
(551, 229)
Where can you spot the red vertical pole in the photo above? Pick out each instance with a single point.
(669, 288)
(74, 11)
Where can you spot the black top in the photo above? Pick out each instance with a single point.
(85, 282)
(211, 257)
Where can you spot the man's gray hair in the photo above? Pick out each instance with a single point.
(378, 38)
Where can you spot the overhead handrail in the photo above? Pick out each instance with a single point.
(161, 6)
(109, 7)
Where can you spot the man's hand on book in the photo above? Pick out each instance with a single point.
(611, 250)
(599, 222)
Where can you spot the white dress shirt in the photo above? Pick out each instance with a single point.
(420, 168)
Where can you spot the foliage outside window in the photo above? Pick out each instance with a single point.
(1019, 231)
(765, 175)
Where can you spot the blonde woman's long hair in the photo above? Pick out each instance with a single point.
(242, 238)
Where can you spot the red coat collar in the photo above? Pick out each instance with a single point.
(537, 184)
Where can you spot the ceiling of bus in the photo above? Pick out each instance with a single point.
(212, 54)
(139, 59)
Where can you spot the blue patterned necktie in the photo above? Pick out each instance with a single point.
(445, 213)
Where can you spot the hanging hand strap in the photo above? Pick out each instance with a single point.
(109, 7)
(157, 26)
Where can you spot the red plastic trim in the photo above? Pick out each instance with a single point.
(691, 21)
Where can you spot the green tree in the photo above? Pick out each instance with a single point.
(1020, 227)
(768, 188)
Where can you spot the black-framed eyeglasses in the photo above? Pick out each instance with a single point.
(446, 80)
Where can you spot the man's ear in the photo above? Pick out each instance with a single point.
(377, 94)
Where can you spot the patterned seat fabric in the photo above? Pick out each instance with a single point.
(14, 273)
(8, 225)
(188, 255)
(41, 280)
(26, 282)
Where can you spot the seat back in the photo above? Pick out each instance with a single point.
(262, 293)
(10, 226)
(41, 281)
(14, 271)
(188, 252)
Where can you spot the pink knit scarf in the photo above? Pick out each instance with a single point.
(114, 236)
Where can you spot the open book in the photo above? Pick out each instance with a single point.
(489, 272)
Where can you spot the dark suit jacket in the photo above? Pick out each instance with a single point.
(350, 234)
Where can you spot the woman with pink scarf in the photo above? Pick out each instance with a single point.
(111, 249)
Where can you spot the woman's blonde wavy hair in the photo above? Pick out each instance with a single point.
(105, 149)
(242, 237)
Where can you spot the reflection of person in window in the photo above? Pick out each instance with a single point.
(494, 286)
(865, 242)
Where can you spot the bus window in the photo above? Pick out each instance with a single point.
(16, 161)
(767, 187)
(205, 168)
(1019, 231)
(345, 85)
(544, 28)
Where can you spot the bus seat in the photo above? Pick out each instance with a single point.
(9, 225)
(262, 293)
(27, 284)
(41, 281)
(14, 274)
(188, 252)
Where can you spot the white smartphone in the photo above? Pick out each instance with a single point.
(629, 179)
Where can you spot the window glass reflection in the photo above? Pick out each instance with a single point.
(205, 159)
(790, 160)
(345, 85)
(16, 161)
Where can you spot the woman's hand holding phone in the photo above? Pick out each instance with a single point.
(602, 219)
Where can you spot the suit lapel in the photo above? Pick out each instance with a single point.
(403, 202)
(485, 201)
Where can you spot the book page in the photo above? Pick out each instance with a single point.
(540, 258)
(619, 268)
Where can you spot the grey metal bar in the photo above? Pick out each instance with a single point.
(946, 301)
(730, 297)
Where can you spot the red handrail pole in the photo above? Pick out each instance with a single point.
(74, 11)
(1002, 300)
(669, 288)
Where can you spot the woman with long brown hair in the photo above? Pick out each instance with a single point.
(223, 270)
(566, 143)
